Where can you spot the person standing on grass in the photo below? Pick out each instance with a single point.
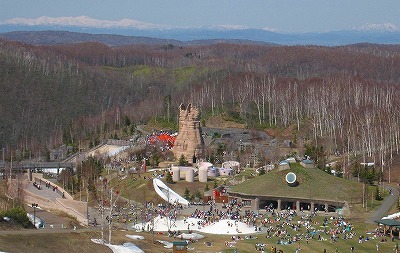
(352, 249)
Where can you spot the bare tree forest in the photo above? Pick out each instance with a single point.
(346, 97)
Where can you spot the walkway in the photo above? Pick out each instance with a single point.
(45, 192)
(387, 203)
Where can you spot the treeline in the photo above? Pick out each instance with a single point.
(346, 96)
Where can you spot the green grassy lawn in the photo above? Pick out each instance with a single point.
(248, 245)
(51, 242)
(313, 183)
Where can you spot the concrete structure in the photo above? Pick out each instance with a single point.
(308, 164)
(231, 164)
(225, 171)
(204, 165)
(167, 194)
(256, 202)
(190, 175)
(212, 172)
(291, 160)
(183, 171)
(189, 141)
(283, 165)
(176, 174)
(203, 174)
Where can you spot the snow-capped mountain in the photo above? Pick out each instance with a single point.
(386, 27)
(84, 21)
(370, 33)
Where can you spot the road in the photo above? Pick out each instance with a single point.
(387, 203)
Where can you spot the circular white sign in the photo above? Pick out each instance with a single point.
(291, 178)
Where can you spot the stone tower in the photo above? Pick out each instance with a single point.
(189, 141)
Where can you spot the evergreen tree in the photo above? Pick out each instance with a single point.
(182, 161)
(215, 184)
(168, 178)
(186, 195)
(127, 121)
(378, 195)
(197, 195)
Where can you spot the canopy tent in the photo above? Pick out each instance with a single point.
(390, 223)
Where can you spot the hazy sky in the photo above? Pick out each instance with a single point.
(280, 15)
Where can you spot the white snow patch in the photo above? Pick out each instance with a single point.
(222, 227)
(192, 236)
(135, 237)
(389, 27)
(124, 248)
(392, 216)
(167, 245)
(84, 21)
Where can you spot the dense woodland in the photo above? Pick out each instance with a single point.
(346, 97)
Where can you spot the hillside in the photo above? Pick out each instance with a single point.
(313, 183)
(338, 97)
(65, 37)
(200, 35)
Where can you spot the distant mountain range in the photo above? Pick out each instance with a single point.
(49, 37)
(123, 35)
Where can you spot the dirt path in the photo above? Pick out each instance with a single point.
(48, 230)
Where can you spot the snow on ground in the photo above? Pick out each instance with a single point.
(135, 237)
(124, 248)
(167, 245)
(161, 224)
(107, 150)
(392, 216)
(222, 227)
(117, 150)
(230, 227)
(192, 236)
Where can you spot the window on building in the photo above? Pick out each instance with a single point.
(246, 202)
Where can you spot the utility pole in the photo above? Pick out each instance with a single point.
(11, 167)
(34, 205)
(111, 209)
(102, 209)
(110, 218)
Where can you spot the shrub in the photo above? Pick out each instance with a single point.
(18, 214)
(168, 178)
(378, 195)
(182, 161)
(186, 195)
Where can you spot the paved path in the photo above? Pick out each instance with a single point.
(45, 192)
(387, 203)
(51, 220)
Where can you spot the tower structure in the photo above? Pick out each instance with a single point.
(189, 141)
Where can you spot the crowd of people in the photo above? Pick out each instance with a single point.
(37, 186)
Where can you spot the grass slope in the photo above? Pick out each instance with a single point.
(51, 242)
(313, 183)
